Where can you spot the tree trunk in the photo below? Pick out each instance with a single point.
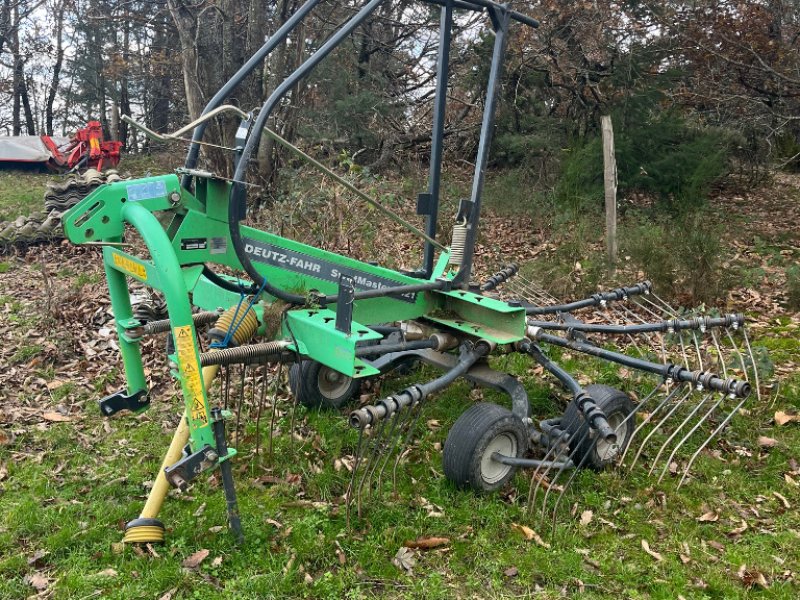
(186, 26)
(54, 80)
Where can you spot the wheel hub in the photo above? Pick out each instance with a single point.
(606, 451)
(493, 471)
(331, 383)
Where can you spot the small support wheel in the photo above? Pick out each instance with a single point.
(316, 386)
(617, 405)
(481, 431)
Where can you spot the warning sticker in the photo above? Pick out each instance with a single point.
(130, 266)
(190, 371)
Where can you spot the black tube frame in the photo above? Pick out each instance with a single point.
(500, 16)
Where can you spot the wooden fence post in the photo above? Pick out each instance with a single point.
(610, 185)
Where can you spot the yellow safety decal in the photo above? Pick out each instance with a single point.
(130, 266)
(190, 371)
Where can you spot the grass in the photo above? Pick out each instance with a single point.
(66, 490)
(69, 488)
(21, 193)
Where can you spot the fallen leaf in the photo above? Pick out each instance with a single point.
(783, 500)
(56, 417)
(511, 572)
(36, 559)
(782, 418)
(752, 578)
(767, 442)
(193, 561)
(168, 595)
(586, 517)
(530, 534)
(216, 562)
(200, 510)
(404, 560)
(6, 437)
(427, 543)
(216, 528)
(739, 530)
(37, 581)
(106, 573)
(653, 553)
(709, 517)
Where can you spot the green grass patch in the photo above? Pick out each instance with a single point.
(21, 193)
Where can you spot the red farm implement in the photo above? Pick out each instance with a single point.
(86, 149)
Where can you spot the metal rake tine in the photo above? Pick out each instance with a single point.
(372, 451)
(633, 315)
(273, 415)
(524, 292)
(535, 286)
(572, 476)
(697, 425)
(719, 428)
(559, 448)
(720, 357)
(537, 478)
(409, 433)
(390, 439)
(658, 426)
(348, 496)
(649, 418)
(261, 399)
(561, 468)
(677, 430)
(752, 362)
(579, 466)
(239, 402)
(660, 316)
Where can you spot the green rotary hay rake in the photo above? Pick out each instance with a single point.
(338, 321)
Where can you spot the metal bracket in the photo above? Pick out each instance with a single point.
(136, 402)
(344, 305)
(190, 466)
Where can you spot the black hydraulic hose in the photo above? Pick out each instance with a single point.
(237, 203)
(706, 380)
(595, 300)
(274, 40)
(411, 395)
(380, 349)
(672, 325)
(225, 284)
(593, 414)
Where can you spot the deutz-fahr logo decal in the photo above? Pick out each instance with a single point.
(297, 262)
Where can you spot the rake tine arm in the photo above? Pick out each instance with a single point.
(500, 277)
(702, 379)
(411, 395)
(668, 326)
(600, 299)
(591, 412)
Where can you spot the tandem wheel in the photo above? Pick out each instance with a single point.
(617, 405)
(482, 430)
(316, 386)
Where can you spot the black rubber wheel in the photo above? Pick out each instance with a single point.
(617, 405)
(482, 430)
(316, 386)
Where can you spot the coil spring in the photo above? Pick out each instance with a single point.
(246, 324)
(458, 243)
